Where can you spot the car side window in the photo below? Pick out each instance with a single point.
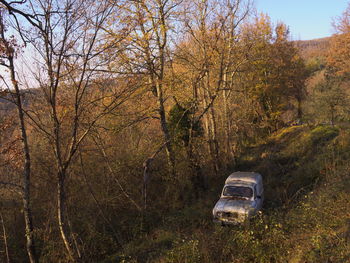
(255, 191)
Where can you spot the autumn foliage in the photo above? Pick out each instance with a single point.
(120, 119)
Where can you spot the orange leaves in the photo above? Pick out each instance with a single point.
(11, 150)
(339, 54)
(8, 47)
(282, 32)
(338, 58)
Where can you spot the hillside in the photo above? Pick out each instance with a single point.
(314, 48)
(119, 124)
(305, 217)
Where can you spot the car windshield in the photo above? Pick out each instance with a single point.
(238, 191)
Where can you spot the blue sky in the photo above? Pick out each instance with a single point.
(307, 19)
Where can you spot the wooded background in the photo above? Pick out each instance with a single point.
(115, 116)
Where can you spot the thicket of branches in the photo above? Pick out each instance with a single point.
(118, 111)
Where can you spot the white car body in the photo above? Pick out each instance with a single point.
(241, 198)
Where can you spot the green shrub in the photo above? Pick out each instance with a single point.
(322, 134)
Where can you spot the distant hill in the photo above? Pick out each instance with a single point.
(6, 105)
(7, 100)
(314, 48)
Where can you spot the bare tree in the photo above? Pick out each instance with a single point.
(69, 43)
(148, 55)
(8, 49)
(212, 55)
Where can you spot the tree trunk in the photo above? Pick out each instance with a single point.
(214, 139)
(26, 187)
(165, 130)
(63, 218)
(156, 63)
(211, 126)
(9, 51)
(332, 116)
(228, 130)
(4, 235)
(26, 169)
(299, 109)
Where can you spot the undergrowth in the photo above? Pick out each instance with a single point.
(306, 217)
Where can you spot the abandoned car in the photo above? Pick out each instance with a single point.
(241, 198)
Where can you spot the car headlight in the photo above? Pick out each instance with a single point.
(219, 214)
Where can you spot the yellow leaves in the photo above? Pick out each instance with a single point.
(281, 32)
(261, 28)
(339, 54)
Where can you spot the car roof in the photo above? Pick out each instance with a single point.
(246, 177)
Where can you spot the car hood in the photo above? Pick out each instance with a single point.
(232, 205)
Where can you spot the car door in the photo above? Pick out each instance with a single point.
(258, 197)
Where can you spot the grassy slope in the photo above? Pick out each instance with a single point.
(306, 215)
